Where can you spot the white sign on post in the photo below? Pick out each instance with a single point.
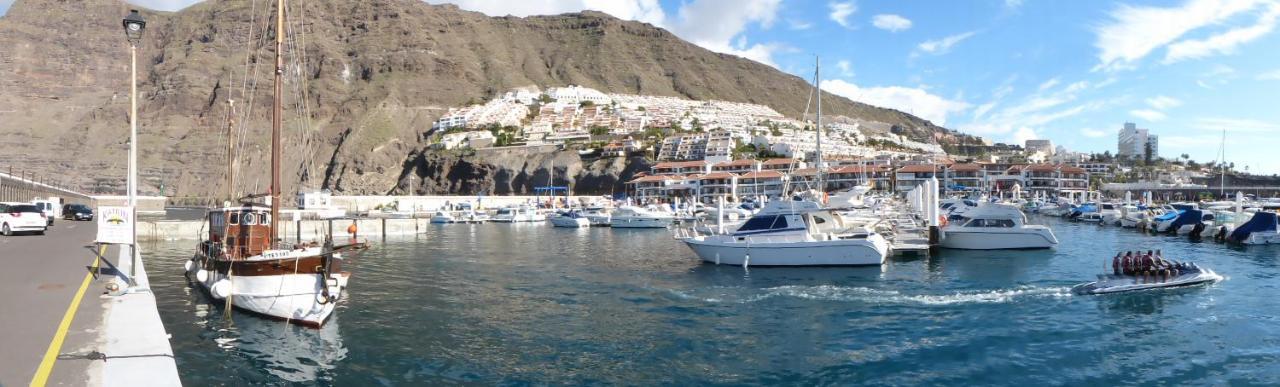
(115, 225)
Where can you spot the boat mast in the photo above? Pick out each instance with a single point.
(817, 84)
(276, 112)
(231, 148)
(1222, 160)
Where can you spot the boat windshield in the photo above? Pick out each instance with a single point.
(990, 223)
(764, 222)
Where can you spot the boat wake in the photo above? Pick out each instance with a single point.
(869, 295)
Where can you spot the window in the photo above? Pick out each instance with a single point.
(248, 219)
(233, 218)
(764, 223)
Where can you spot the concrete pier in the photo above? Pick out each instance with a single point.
(60, 328)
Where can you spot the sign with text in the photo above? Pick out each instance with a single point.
(115, 225)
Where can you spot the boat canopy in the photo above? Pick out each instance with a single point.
(1187, 217)
(1261, 222)
(1169, 215)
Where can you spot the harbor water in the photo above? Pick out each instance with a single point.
(532, 304)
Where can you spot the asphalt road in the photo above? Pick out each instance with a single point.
(40, 277)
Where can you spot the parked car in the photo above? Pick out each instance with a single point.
(22, 217)
(77, 212)
(48, 208)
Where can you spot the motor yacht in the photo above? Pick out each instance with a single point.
(1190, 221)
(638, 217)
(518, 214)
(792, 233)
(443, 217)
(995, 226)
(1261, 229)
(1110, 213)
(598, 216)
(570, 219)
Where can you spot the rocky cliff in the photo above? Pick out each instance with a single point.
(514, 173)
(365, 79)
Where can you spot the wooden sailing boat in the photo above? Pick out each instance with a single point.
(245, 264)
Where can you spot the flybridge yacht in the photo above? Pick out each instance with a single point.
(994, 226)
(793, 233)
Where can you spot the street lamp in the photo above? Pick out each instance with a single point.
(133, 27)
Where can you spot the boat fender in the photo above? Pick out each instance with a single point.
(190, 265)
(221, 289)
(202, 275)
(322, 299)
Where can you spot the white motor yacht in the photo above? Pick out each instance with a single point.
(597, 216)
(1110, 213)
(570, 219)
(442, 217)
(995, 226)
(792, 233)
(518, 214)
(1261, 229)
(637, 217)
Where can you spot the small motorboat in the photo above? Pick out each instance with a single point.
(1111, 283)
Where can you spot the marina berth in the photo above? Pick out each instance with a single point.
(995, 226)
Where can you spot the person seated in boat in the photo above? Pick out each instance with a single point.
(1148, 264)
(1126, 263)
(1115, 264)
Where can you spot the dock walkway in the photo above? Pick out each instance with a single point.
(59, 326)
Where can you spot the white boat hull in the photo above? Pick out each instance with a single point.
(290, 296)
(998, 240)
(640, 222)
(560, 221)
(856, 252)
(1262, 238)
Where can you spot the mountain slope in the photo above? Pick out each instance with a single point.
(376, 74)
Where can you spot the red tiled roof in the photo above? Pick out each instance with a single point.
(779, 161)
(761, 175)
(734, 163)
(966, 167)
(646, 179)
(1042, 168)
(717, 175)
(805, 172)
(918, 168)
(1071, 169)
(860, 169)
(680, 164)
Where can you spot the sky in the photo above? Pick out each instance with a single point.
(1006, 70)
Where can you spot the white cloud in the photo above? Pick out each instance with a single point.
(1161, 102)
(1235, 125)
(1223, 43)
(983, 109)
(846, 69)
(1013, 3)
(719, 26)
(840, 12)
(1147, 114)
(1049, 83)
(942, 46)
(797, 24)
(1077, 86)
(1021, 135)
(1273, 75)
(891, 23)
(1133, 32)
(916, 101)
(1093, 133)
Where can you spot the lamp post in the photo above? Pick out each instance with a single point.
(133, 27)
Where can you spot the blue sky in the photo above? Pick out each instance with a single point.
(1007, 70)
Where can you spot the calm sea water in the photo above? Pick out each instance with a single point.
(532, 304)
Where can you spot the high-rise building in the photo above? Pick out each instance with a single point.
(1042, 146)
(1133, 141)
(1154, 141)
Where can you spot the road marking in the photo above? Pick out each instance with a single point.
(51, 355)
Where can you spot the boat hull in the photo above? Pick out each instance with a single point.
(285, 289)
(833, 253)
(994, 240)
(570, 222)
(640, 222)
(1117, 284)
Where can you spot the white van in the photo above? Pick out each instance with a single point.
(51, 207)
